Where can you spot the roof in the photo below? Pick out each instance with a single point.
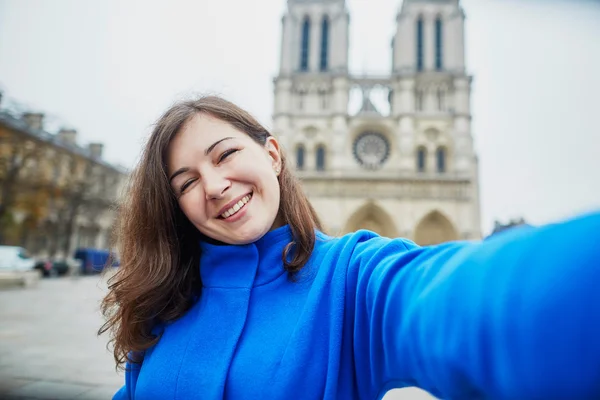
(19, 125)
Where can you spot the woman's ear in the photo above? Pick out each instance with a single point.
(273, 150)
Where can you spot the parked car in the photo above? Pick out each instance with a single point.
(14, 258)
(52, 268)
(93, 261)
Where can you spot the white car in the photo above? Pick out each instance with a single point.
(13, 258)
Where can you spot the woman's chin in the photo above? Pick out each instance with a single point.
(237, 238)
(249, 234)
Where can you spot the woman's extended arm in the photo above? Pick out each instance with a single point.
(516, 316)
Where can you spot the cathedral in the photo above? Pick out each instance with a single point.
(404, 166)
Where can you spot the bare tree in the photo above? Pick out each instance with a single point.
(15, 154)
(83, 194)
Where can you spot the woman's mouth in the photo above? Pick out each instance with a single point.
(236, 207)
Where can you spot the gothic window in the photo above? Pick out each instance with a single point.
(441, 159)
(300, 157)
(421, 159)
(304, 51)
(419, 99)
(323, 98)
(301, 95)
(321, 158)
(324, 44)
(439, 37)
(420, 43)
(371, 149)
(441, 99)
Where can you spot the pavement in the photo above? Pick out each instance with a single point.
(49, 348)
(48, 343)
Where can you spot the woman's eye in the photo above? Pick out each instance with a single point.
(186, 185)
(226, 154)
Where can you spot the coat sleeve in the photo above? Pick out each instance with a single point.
(516, 316)
(127, 391)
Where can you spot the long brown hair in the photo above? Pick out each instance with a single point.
(159, 276)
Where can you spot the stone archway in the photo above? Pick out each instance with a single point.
(372, 217)
(434, 228)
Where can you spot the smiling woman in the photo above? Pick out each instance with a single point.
(225, 182)
(204, 159)
(229, 289)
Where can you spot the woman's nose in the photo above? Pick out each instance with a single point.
(215, 185)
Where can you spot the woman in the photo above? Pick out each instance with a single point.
(228, 288)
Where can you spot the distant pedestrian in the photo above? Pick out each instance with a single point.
(228, 288)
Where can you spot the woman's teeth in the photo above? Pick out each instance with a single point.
(236, 207)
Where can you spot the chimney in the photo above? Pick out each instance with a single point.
(67, 136)
(96, 150)
(34, 121)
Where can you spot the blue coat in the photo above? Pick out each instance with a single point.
(516, 316)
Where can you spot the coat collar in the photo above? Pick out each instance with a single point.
(244, 266)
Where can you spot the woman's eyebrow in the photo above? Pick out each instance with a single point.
(212, 146)
(206, 152)
(178, 172)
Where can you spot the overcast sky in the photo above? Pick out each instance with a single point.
(109, 68)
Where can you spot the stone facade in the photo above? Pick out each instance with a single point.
(55, 195)
(404, 166)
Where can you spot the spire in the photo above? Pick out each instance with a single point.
(367, 105)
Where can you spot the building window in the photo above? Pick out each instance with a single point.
(324, 44)
(441, 159)
(324, 100)
(320, 158)
(441, 99)
(439, 37)
(419, 99)
(421, 159)
(304, 51)
(57, 170)
(301, 95)
(300, 157)
(420, 49)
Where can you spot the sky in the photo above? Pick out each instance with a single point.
(109, 68)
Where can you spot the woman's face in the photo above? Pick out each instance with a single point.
(225, 182)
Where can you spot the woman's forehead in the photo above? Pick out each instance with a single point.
(203, 128)
(199, 135)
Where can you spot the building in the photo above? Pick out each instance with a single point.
(55, 195)
(407, 169)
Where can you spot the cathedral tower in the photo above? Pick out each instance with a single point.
(407, 169)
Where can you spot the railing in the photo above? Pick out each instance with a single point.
(382, 175)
